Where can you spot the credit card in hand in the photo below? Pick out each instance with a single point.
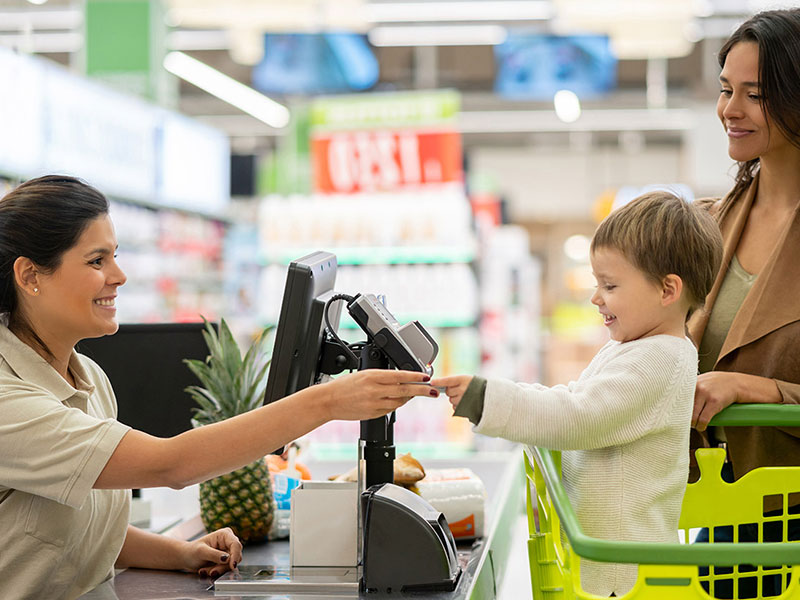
(442, 389)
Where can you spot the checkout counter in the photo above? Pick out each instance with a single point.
(482, 561)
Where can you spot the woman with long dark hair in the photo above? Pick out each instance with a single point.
(749, 334)
(66, 464)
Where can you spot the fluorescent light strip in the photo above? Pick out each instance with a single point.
(198, 40)
(47, 42)
(225, 88)
(438, 35)
(622, 119)
(500, 10)
(41, 18)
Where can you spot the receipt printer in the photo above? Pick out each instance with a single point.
(407, 544)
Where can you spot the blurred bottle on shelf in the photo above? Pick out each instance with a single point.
(174, 264)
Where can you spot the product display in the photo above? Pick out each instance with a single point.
(282, 486)
(415, 250)
(510, 305)
(460, 495)
(438, 207)
(174, 264)
(426, 225)
(407, 471)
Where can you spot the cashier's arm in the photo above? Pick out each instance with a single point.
(141, 460)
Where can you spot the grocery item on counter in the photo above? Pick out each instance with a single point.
(286, 475)
(276, 464)
(458, 494)
(407, 471)
(282, 486)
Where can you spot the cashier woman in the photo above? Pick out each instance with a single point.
(66, 463)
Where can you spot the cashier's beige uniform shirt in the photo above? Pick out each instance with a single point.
(58, 537)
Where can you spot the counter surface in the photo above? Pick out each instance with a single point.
(481, 561)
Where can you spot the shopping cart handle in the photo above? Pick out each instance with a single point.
(782, 415)
(721, 553)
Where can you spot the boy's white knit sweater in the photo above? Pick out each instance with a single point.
(623, 428)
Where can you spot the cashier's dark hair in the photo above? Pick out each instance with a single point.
(41, 219)
(777, 34)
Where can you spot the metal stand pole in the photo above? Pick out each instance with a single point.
(377, 435)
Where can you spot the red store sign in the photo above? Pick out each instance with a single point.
(381, 160)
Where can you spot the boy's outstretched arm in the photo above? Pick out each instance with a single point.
(456, 386)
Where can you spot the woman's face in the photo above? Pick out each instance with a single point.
(77, 300)
(751, 134)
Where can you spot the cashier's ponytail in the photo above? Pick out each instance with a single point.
(41, 219)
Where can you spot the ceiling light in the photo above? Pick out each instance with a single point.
(577, 248)
(567, 105)
(45, 42)
(198, 39)
(499, 10)
(41, 18)
(639, 29)
(438, 35)
(37, 1)
(292, 16)
(609, 119)
(228, 89)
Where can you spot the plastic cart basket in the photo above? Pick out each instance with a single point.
(670, 571)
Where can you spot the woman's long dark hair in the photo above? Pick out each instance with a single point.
(777, 33)
(41, 219)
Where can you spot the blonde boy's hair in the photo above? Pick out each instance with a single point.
(662, 234)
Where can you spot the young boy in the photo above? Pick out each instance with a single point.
(623, 426)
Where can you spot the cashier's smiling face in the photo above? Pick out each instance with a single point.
(79, 297)
(628, 300)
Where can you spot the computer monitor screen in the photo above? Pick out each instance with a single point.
(316, 63)
(535, 67)
(301, 327)
(144, 363)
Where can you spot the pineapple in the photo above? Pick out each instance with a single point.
(232, 385)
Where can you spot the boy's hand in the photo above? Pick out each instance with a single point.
(456, 386)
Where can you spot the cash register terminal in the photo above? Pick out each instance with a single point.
(405, 544)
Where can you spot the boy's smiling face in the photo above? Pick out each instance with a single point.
(630, 302)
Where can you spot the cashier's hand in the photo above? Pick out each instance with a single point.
(213, 554)
(456, 386)
(714, 391)
(374, 392)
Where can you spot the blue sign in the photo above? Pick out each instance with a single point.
(535, 67)
(310, 63)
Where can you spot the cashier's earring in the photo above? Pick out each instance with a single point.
(35, 290)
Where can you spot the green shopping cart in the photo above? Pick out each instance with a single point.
(676, 571)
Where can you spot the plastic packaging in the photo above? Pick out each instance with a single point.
(282, 486)
(460, 495)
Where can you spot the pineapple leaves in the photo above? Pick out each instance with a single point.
(230, 385)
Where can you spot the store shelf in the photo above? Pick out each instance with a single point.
(421, 450)
(430, 322)
(174, 263)
(377, 255)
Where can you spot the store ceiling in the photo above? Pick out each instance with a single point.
(227, 35)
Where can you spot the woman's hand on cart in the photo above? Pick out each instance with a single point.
(716, 390)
